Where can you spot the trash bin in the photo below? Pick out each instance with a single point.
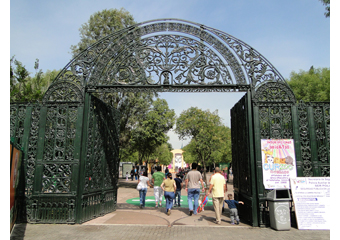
(279, 212)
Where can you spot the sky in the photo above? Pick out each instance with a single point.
(293, 35)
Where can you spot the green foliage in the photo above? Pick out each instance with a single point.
(23, 87)
(328, 8)
(222, 152)
(132, 106)
(210, 140)
(128, 156)
(151, 128)
(312, 85)
(102, 24)
(163, 154)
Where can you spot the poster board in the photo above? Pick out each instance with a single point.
(311, 197)
(278, 162)
(15, 161)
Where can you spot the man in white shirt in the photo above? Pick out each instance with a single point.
(218, 187)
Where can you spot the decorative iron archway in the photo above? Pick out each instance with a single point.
(72, 178)
(168, 55)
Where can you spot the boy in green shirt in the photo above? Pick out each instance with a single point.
(157, 179)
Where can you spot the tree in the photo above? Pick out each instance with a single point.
(151, 129)
(23, 87)
(132, 106)
(102, 24)
(328, 8)
(203, 128)
(162, 154)
(312, 85)
(222, 152)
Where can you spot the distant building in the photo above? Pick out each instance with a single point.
(177, 161)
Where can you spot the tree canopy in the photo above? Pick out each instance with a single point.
(327, 8)
(163, 154)
(210, 142)
(102, 24)
(23, 87)
(134, 107)
(312, 85)
(151, 128)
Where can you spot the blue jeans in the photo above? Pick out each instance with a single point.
(142, 194)
(169, 198)
(178, 196)
(193, 193)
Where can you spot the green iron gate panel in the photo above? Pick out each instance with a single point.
(277, 116)
(273, 119)
(100, 167)
(243, 160)
(57, 165)
(21, 116)
(314, 137)
(50, 139)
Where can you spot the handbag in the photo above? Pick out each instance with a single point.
(139, 187)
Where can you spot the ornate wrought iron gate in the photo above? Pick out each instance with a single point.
(244, 180)
(63, 182)
(272, 113)
(70, 140)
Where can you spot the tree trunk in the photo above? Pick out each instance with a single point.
(204, 173)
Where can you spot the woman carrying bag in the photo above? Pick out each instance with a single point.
(169, 188)
(143, 183)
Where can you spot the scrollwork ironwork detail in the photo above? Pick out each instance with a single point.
(168, 53)
(274, 92)
(305, 147)
(63, 91)
(56, 178)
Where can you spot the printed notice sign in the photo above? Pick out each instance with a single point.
(311, 198)
(278, 162)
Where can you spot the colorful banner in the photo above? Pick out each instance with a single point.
(278, 162)
(15, 161)
(312, 198)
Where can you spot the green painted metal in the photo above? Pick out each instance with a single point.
(98, 175)
(242, 164)
(249, 115)
(70, 140)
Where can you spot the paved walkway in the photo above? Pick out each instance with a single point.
(131, 222)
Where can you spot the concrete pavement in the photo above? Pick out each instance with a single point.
(131, 222)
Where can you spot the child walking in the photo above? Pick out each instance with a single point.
(233, 210)
(202, 195)
(127, 176)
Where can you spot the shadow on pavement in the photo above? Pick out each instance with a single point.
(127, 184)
(18, 232)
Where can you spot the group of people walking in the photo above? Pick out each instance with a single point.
(195, 188)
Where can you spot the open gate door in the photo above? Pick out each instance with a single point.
(243, 164)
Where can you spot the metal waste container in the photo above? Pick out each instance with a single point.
(279, 212)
